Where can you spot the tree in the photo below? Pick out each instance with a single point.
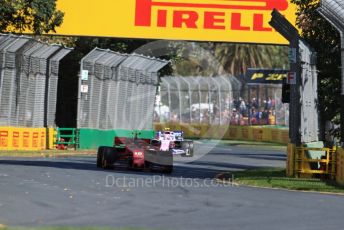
(326, 41)
(229, 58)
(37, 16)
(236, 58)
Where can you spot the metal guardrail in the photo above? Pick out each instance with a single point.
(67, 137)
(117, 91)
(325, 166)
(220, 100)
(29, 73)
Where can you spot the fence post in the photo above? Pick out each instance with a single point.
(291, 163)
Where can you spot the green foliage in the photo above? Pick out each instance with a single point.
(37, 16)
(61, 40)
(209, 58)
(276, 178)
(325, 40)
(236, 58)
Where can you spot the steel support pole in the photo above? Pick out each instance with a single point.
(342, 93)
(295, 100)
(289, 32)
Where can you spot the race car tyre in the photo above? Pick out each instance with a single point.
(100, 156)
(187, 146)
(108, 157)
(130, 163)
(168, 169)
(148, 165)
(104, 163)
(191, 147)
(161, 160)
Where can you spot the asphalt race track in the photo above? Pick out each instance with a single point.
(73, 192)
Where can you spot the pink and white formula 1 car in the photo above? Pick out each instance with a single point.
(175, 142)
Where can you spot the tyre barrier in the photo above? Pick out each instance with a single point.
(12, 138)
(224, 132)
(340, 166)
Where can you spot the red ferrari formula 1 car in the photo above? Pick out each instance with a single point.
(135, 153)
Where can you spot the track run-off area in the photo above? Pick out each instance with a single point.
(73, 192)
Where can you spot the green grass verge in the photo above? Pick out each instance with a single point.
(247, 144)
(276, 178)
(47, 153)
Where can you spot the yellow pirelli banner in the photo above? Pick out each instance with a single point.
(201, 20)
(12, 138)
